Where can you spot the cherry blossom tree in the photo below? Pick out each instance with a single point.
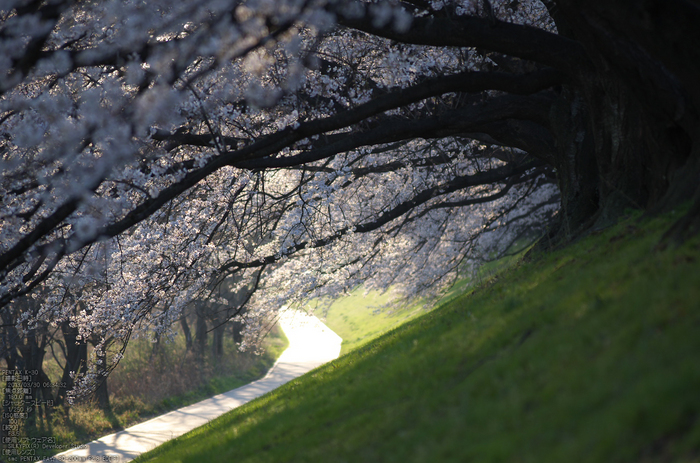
(154, 153)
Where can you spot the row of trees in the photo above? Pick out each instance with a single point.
(42, 350)
(255, 153)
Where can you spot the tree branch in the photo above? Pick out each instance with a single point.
(524, 42)
(457, 183)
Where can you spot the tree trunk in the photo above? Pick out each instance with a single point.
(32, 352)
(576, 166)
(8, 424)
(76, 360)
(155, 349)
(102, 393)
(217, 345)
(201, 336)
(187, 332)
(641, 98)
(237, 329)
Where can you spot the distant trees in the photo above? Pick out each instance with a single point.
(153, 151)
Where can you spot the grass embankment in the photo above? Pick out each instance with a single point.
(363, 315)
(588, 354)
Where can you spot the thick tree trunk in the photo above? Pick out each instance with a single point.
(627, 145)
(576, 166)
(640, 145)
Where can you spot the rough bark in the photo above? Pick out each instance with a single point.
(641, 102)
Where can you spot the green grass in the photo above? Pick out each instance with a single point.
(363, 315)
(587, 354)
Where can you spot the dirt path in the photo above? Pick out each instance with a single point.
(311, 344)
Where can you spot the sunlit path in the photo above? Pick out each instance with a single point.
(311, 344)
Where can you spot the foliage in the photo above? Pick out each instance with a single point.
(586, 354)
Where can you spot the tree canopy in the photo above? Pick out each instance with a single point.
(260, 152)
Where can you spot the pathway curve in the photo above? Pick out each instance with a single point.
(311, 344)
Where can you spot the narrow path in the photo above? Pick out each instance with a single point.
(311, 344)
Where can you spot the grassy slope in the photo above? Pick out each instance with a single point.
(360, 317)
(589, 354)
